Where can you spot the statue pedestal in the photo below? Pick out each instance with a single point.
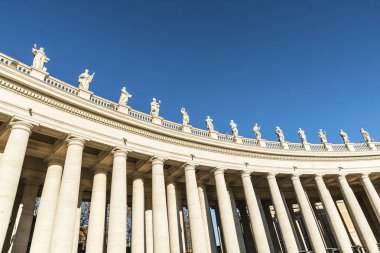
(123, 108)
(213, 134)
(371, 146)
(157, 120)
(186, 129)
(284, 145)
(39, 74)
(262, 143)
(350, 147)
(306, 146)
(328, 147)
(85, 94)
(238, 139)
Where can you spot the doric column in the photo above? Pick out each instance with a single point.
(360, 220)
(249, 242)
(148, 226)
(10, 171)
(95, 236)
(174, 232)
(77, 222)
(372, 194)
(239, 231)
(160, 214)
(281, 213)
(43, 228)
(225, 210)
(138, 210)
(333, 216)
(29, 196)
(255, 217)
(118, 204)
(207, 222)
(181, 222)
(195, 214)
(64, 222)
(308, 216)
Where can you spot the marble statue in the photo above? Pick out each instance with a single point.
(210, 125)
(85, 79)
(344, 136)
(302, 135)
(155, 107)
(185, 117)
(280, 134)
(124, 97)
(40, 58)
(256, 130)
(322, 136)
(234, 129)
(366, 136)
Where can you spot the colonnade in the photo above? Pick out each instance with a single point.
(157, 225)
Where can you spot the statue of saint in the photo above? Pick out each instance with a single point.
(302, 135)
(344, 136)
(366, 136)
(280, 134)
(185, 117)
(256, 130)
(322, 136)
(210, 125)
(234, 129)
(85, 79)
(155, 107)
(39, 58)
(124, 97)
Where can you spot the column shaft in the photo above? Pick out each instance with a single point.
(372, 194)
(226, 215)
(43, 228)
(95, 235)
(258, 229)
(239, 231)
(207, 222)
(308, 216)
(138, 210)
(174, 231)
(148, 226)
(336, 223)
(282, 215)
(64, 222)
(10, 171)
(118, 204)
(360, 220)
(77, 223)
(160, 214)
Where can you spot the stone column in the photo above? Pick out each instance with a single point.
(29, 196)
(239, 231)
(95, 235)
(174, 231)
(372, 194)
(225, 210)
(282, 215)
(64, 222)
(148, 226)
(207, 222)
(258, 229)
(117, 227)
(195, 214)
(249, 242)
(308, 216)
(339, 231)
(160, 214)
(10, 171)
(138, 210)
(181, 223)
(77, 222)
(43, 228)
(365, 231)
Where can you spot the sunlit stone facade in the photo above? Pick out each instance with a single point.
(190, 190)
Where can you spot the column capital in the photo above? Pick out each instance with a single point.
(365, 175)
(189, 166)
(24, 125)
(296, 176)
(54, 159)
(120, 151)
(158, 160)
(101, 169)
(342, 177)
(319, 177)
(219, 170)
(74, 140)
(246, 173)
(271, 175)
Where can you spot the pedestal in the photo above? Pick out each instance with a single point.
(186, 128)
(350, 147)
(39, 74)
(328, 147)
(157, 120)
(284, 145)
(85, 94)
(238, 139)
(214, 134)
(371, 146)
(306, 146)
(123, 108)
(262, 143)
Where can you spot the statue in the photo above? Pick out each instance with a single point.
(302, 135)
(367, 138)
(322, 136)
(85, 79)
(234, 129)
(256, 130)
(344, 136)
(210, 125)
(39, 58)
(185, 117)
(280, 134)
(124, 97)
(155, 107)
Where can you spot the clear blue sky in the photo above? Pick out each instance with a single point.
(299, 63)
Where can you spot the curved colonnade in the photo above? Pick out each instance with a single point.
(62, 148)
